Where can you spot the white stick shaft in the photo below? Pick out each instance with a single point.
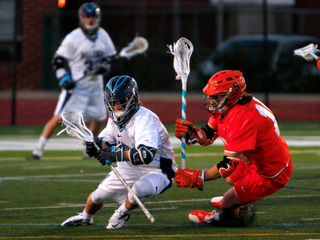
(184, 107)
(144, 209)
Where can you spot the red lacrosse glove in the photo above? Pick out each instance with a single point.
(190, 178)
(318, 63)
(229, 167)
(186, 129)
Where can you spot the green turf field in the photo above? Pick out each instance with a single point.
(37, 196)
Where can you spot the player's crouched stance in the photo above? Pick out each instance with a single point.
(139, 143)
(256, 161)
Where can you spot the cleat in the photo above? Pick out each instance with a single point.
(36, 154)
(77, 220)
(216, 202)
(245, 209)
(202, 217)
(117, 220)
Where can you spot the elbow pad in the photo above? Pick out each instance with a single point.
(59, 62)
(142, 155)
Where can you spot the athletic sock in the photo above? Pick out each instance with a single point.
(86, 215)
(123, 208)
(216, 217)
(42, 142)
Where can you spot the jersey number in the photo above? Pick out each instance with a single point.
(90, 65)
(266, 113)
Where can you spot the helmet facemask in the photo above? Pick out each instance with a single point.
(120, 111)
(217, 103)
(93, 12)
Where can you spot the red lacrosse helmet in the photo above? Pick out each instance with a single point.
(224, 89)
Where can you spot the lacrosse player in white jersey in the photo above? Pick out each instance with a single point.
(87, 49)
(139, 143)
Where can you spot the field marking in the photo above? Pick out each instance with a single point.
(168, 236)
(23, 143)
(62, 158)
(72, 205)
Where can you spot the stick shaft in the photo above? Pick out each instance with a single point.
(184, 107)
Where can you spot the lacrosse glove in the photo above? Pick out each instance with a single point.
(111, 154)
(190, 178)
(91, 149)
(186, 129)
(103, 68)
(66, 82)
(227, 166)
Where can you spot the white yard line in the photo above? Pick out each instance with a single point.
(59, 143)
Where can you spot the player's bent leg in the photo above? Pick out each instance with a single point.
(229, 206)
(95, 127)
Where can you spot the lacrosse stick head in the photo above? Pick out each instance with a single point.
(308, 52)
(75, 125)
(181, 50)
(139, 45)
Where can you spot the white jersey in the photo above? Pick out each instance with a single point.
(144, 128)
(83, 55)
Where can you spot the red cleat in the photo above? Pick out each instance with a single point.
(216, 202)
(203, 217)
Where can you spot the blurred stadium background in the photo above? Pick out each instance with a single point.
(31, 31)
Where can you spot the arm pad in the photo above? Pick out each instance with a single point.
(210, 133)
(142, 155)
(227, 166)
(59, 62)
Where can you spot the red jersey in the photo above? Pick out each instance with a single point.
(253, 129)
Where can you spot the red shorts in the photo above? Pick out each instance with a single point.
(251, 186)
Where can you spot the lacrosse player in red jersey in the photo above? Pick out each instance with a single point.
(256, 161)
(88, 48)
(139, 143)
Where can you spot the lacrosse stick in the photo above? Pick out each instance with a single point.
(182, 51)
(76, 127)
(307, 52)
(139, 45)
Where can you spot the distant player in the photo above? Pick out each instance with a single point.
(139, 143)
(256, 161)
(86, 48)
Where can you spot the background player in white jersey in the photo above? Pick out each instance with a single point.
(137, 140)
(86, 49)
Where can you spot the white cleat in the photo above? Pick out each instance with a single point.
(77, 220)
(117, 220)
(37, 153)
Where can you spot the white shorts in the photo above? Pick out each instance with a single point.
(91, 107)
(114, 188)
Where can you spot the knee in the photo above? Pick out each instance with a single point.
(142, 190)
